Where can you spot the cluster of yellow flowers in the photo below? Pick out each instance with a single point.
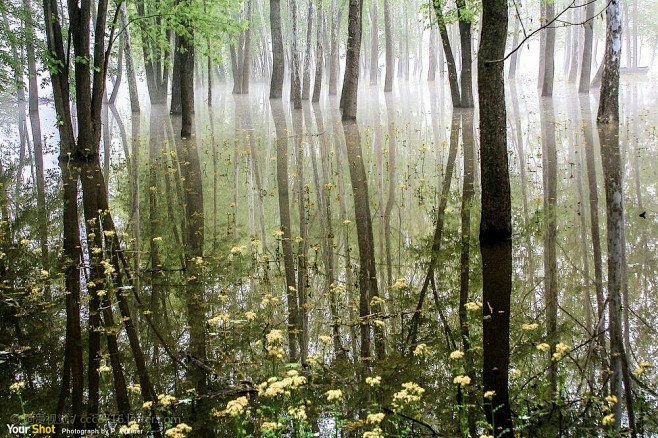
(103, 369)
(135, 389)
(17, 387)
(239, 249)
(456, 355)
(298, 413)
(250, 316)
(421, 350)
(643, 365)
(166, 400)
(274, 387)
(234, 408)
(325, 339)
(374, 381)
(179, 431)
(108, 268)
(274, 336)
(543, 346)
(462, 380)
(271, 427)
(129, 429)
(147, 405)
(608, 420)
(473, 306)
(560, 350)
(410, 393)
(530, 327)
(334, 394)
(375, 418)
(375, 433)
(399, 284)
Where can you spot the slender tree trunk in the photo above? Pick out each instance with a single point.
(608, 127)
(514, 59)
(390, 61)
(187, 84)
(496, 221)
(319, 54)
(549, 51)
(431, 71)
(468, 192)
(276, 83)
(374, 45)
(466, 79)
(348, 97)
(586, 63)
(549, 178)
(35, 124)
(295, 80)
(306, 82)
(450, 59)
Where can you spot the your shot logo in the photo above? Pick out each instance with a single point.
(39, 429)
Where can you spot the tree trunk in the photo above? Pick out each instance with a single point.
(306, 82)
(431, 71)
(374, 45)
(295, 80)
(496, 220)
(319, 54)
(586, 63)
(549, 51)
(348, 97)
(549, 180)
(276, 83)
(466, 79)
(187, 84)
(390, 61)
(450, 59)
(35, 124)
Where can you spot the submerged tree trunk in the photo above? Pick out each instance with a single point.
(608, 127)
(496, 221)
(549, 178)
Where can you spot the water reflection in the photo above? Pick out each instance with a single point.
(327, 232)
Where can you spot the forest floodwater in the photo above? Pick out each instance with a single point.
(419, 158)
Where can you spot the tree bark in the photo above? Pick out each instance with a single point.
(306, 82)
(374, 45)
(390, 61)
(586, 63)
(496, 220)
(450, 59)
(466, 79)
(276, 83)
(348, 97)
(319, 54)
(549, 51)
